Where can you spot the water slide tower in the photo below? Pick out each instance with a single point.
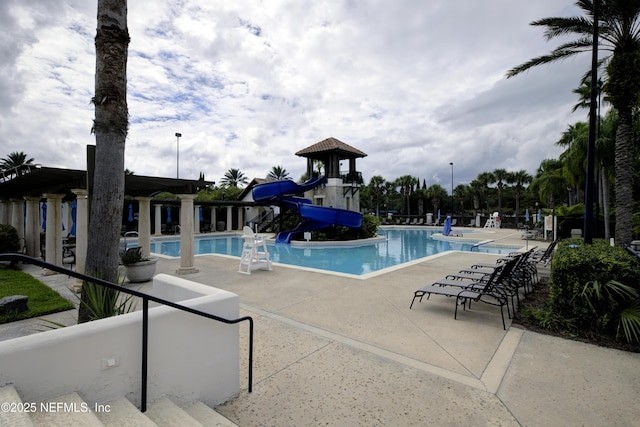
(343, 184)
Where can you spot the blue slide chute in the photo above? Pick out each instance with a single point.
(287, 193)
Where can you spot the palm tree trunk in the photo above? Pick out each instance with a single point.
(624, 177)
(110, 126)
(604, 172)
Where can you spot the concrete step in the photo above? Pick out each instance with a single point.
(13, 412)
(69, 410)
(207, 416)
(165, 413)
(122, 413)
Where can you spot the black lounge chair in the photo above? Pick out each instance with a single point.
(526, 269)
(544, 256)
(516, 274)
(467, 291)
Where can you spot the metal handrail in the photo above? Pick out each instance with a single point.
(13, 257)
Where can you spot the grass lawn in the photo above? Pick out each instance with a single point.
(42, 299)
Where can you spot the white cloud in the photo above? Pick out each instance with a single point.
(414, 84)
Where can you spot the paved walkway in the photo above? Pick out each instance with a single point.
(343, 351)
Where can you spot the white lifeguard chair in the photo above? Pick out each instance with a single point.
(254, 252)
(493, 221)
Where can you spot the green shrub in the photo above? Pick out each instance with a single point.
(596, 286)
(370, 225)
(9, 241)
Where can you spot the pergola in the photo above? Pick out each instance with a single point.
(23, 189)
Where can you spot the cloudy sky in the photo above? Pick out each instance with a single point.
(415, 84)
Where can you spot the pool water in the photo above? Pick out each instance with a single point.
(401, 246)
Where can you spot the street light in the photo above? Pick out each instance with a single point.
(178, 135)
(453, 206)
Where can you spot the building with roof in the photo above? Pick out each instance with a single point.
(343, 184)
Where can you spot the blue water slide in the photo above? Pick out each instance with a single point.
(316, 217)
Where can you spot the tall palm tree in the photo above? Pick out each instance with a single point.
(484, 179)
(606, 150)
(584, 95)
(110, 126)
(575, 141)
(377, 190)
(438, 194)
(605, 147)
(499, 177)
(15, 159)
(460, 193)
(477, 189)
(406, 184)
(278, 173)
(549, 182)
(520, 180)
(619, 28)
(390, 193)
(233, 177)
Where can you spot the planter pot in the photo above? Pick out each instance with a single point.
(142, 271)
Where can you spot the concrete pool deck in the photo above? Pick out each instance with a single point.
(337, 350)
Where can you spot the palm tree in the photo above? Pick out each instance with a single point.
(438, 194)
(377, 190)
(110, 126)
(460, 193)
(233, 177)
(520, 179)
(477, 188)
(406, 184)
(574, 158)
(278, 173)
(549, 182)
(584, 95)
(483, 180)
(605, 147)
(14, 160)
(606, 153)
(619, 28)
(499, 176)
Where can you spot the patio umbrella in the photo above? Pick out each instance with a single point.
(130, 219)
(526, 216)
(447, 226)
(44, 216)
(201, 218)
(539, 215)
(74, 214)
(168, 214)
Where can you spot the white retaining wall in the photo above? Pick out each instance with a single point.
(189, 357)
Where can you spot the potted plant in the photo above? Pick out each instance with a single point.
(137, 267)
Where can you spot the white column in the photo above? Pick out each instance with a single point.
(144, 224)
(32, 227)
(82, 232)
(196, 219)
(240, 217)
(4, 212)
(214, 220)
(17, 216)
(187, 257)
(53, 246)
(158, 220)
(229, 218)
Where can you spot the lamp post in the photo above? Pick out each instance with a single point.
(178, 135)
(453, 206)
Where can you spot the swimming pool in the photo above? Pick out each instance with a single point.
(401, 246)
